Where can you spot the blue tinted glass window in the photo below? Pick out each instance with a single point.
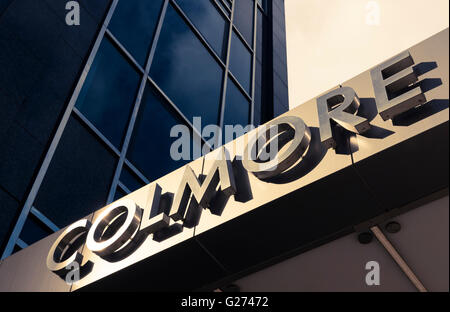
(34, 230)
(130, 180)
(150, 145)
(208, 21)
(243, 19)
(119, 194)
(260, 36)
(241, 63)
(16, 249)
(225, 8)
(258, 74)
(227, 3)
(259, 70)
(134, 23)
(186, 71)
(237, 108)
(109, 92)
(258, 92)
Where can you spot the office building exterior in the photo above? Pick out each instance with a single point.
(348, 198)
(90, 95)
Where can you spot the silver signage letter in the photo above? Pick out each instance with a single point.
(290, 129)
(339, 105)
(56, 253)
(153, 220)
(123, 235)
(221, 172)
(390, 79)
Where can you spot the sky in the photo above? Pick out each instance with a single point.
(331, 41)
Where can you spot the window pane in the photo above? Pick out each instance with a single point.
(243, 19)
(130, 180)
(258, 93)
(150, 146)
(258, 74)
(227, 3)
(259, 70)
(237, 109)
(224, 8)
(208, 21)
(260, 36)
(109, 92)
(241, 63)
(79, 177)
(34, 231)
(134, 23)
(16, 249)
(186, 71)
(119, 194)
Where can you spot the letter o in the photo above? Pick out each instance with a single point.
(123, 234)
(299, 143)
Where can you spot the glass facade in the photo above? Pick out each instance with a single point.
(102, 100)
(186, 49)
(134, 25)
(237, 108)
(241, 62)
(186, 71)
(158, 64)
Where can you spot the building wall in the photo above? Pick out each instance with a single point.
(41, 59)
(75, 128)
(279, 59)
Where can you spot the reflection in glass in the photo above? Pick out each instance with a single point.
(109, 92)
(134, 23)
(186, 71)
(241, 63)
(243, 19)
(150, 145)
(237, 108)
(208, 21)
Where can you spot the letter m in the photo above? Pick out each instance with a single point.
(221, 174)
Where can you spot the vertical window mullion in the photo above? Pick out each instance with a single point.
(255, 29)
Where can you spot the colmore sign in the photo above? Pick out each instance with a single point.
(120, 229)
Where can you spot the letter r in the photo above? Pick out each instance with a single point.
(341, 106)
